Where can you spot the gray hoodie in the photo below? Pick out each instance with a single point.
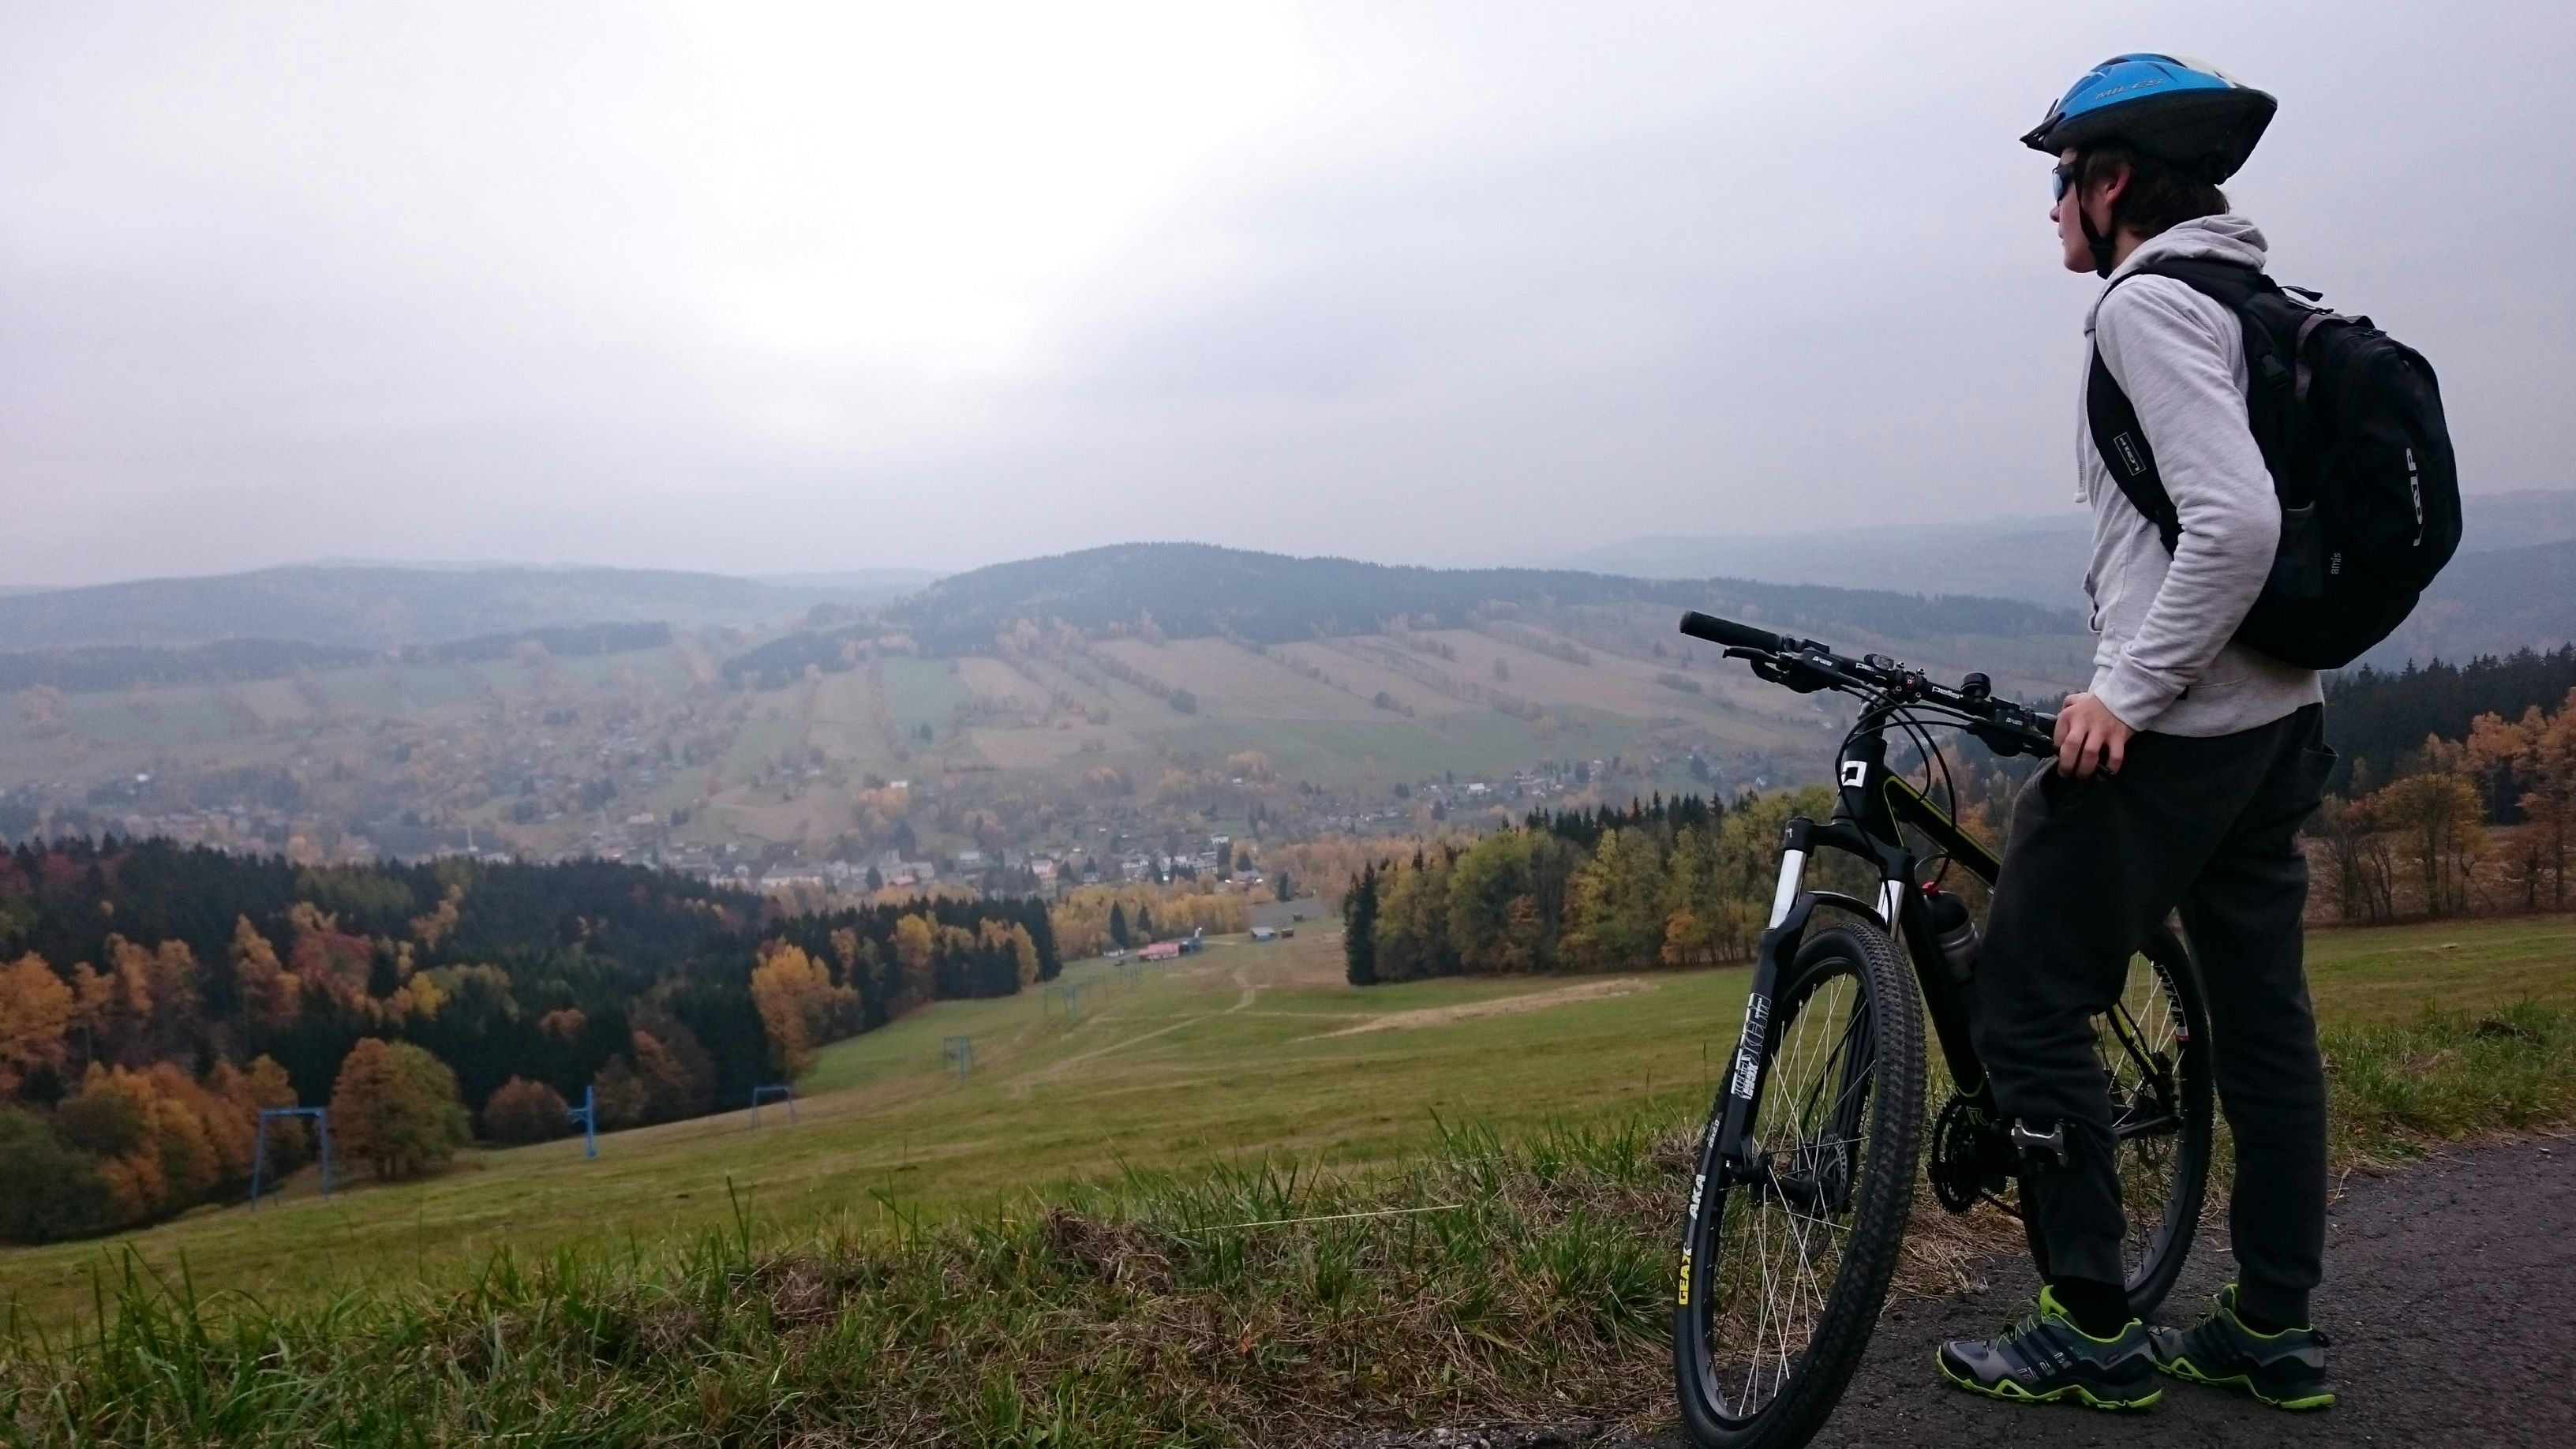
(2164, 662)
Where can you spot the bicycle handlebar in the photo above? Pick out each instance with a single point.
(1732, 634)
(2003, 726)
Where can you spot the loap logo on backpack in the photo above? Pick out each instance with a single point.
(2350, 423)
(2129, 458)
(2415, 490)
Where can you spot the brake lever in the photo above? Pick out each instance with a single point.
(1788, 671)
(2013, 737)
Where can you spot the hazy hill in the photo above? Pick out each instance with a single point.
(2492, 602)
(2504, 592)
(2038, 557)
(1194, 590)
(384, 607)
(232, 661)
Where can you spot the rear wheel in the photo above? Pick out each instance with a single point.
(2153, 1045)
(1786, 1260)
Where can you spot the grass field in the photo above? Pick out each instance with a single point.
(1242, 1051)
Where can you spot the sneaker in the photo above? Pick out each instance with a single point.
(2286, 1370)
(2045, 1357)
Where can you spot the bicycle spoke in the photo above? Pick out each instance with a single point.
(1781, 1239)
(2137, 1042)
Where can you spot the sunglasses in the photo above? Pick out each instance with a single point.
(2061, 178)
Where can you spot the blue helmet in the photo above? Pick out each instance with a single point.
(2183, 111)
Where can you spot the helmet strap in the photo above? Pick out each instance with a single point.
(2099, 242)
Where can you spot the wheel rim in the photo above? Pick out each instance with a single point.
(1777, 1241)
(2141, 1043)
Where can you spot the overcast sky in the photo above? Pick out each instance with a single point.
(796, 288)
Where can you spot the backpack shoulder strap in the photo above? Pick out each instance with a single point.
(2122, 442)
(2230, 282)
(2113, 419)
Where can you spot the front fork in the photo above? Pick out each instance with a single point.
(1791, 908)
(1733, 1156)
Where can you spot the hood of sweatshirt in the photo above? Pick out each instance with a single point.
(2225, 237)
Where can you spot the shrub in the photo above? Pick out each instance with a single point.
(523, 1111)
(50, 1190)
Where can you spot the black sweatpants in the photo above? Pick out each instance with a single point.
(2209, 825)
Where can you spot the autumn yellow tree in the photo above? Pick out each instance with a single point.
(2535, 758)
(2442, 817)
(1014, 939)
(916, 959)
(800, 1009)
(394, 1107)
(271, 993)
(165, 1001)
(35, 1022)
(264, 1084)
(163, 1140)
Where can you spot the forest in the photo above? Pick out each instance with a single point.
(1677, 882)
(154, 997)
(2458, 796)
(2375, 717)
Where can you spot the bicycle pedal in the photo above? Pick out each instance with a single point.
(2033, 1146)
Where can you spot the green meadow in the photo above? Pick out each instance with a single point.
(1240, 1054)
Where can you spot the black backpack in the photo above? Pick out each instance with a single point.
(2350, 423)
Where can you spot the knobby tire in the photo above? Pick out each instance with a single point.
(1812, 1374)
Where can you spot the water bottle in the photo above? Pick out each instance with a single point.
(1954, 930)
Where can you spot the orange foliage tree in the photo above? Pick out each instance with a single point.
(35, 1021)
(394, 1107)
(523, 1111)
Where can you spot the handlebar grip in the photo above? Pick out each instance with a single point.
(1732, 634)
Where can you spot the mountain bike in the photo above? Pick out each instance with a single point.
(1806, 1171)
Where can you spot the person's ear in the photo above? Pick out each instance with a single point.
(2106, 192)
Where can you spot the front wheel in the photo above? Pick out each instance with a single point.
(1786, 1257)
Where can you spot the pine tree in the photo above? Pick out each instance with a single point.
(1359, 929)
(1118, 925)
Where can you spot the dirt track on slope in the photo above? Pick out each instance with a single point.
(2448, 1292)
(1499, 1006)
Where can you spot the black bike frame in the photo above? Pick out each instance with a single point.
(1874, 806)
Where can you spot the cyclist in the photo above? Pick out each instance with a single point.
(2182, 776)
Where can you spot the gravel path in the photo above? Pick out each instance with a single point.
(2448, 1293)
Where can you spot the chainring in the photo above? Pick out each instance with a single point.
(1970, 1157)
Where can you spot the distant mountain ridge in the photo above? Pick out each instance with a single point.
(1194, 589)
(389, 607)
(234, 661)
(2494, 601)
